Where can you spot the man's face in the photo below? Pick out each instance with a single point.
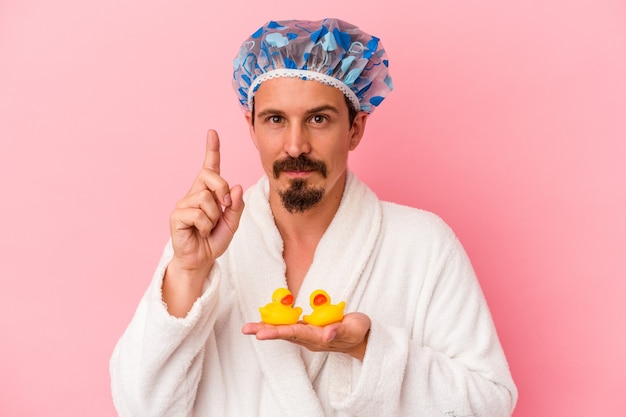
(303, 135)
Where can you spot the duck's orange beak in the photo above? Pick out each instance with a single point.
(320, 299)
(287, 300)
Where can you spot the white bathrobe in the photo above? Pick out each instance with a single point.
(432, 349)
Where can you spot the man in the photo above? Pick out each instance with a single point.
(417, 338)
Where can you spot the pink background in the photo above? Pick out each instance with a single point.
(508, 120)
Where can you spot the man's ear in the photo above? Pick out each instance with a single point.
(358, 129)
(251, 128)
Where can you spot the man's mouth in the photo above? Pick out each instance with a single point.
(297, 174)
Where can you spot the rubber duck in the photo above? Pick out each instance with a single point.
(280, 310)
(323, 311)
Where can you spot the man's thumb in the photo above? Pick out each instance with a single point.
(232, 213)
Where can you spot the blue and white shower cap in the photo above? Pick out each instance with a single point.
(330, 51)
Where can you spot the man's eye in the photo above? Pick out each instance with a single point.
(275, 119)
(318, 118)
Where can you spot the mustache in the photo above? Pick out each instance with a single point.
(301, 163)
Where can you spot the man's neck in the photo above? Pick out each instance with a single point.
(301, 232)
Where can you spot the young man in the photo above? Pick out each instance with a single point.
(417, 338)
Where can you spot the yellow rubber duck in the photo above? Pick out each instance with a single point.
(323, 311)
(280, 310)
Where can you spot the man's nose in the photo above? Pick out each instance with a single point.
(297, 141)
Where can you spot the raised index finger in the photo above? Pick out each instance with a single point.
(212, 155)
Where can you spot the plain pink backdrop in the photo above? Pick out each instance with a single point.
(508, 120)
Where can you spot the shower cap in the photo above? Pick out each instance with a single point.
(330, 51)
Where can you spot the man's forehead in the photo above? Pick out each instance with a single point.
(292, 93)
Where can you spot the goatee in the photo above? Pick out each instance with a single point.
(299, 196)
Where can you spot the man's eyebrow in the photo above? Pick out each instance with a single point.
(325, 107)
(268, 112)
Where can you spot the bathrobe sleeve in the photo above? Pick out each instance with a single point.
(156, 365)
(448, 363)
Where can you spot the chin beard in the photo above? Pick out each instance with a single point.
(299, 198)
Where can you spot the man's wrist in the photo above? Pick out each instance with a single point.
(182, 287)
(184, 275)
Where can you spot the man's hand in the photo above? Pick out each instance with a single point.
(348, 336)
(201, 226)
